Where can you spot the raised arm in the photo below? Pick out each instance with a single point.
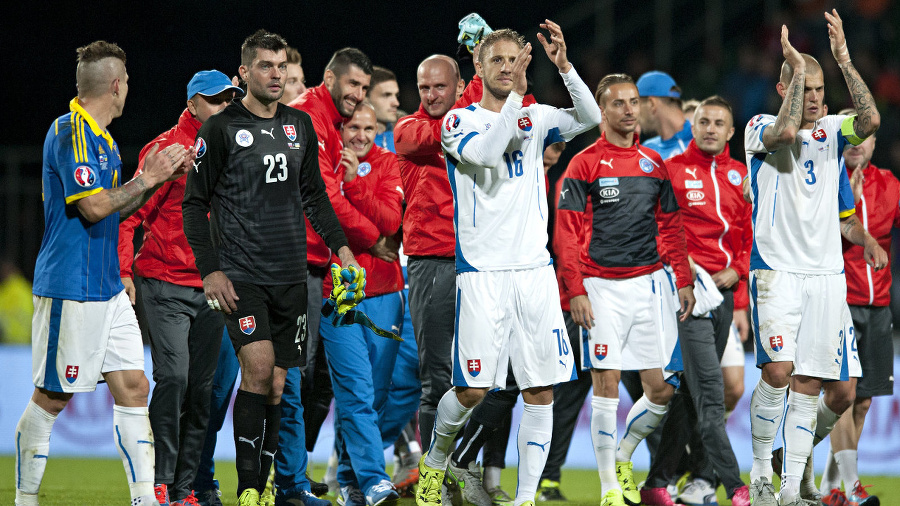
(867, 118)
(784, 131)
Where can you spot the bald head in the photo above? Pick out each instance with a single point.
(787, 70)
(99, 64)
(439, 63)
(437, 79)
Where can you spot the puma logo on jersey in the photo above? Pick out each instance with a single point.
(252, 443)
(196, 165)
(692, 172)
(268, 132)
(605, 162)
(562, 194)
(322, 145)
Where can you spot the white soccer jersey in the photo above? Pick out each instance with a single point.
(495, 164)
(799, 194)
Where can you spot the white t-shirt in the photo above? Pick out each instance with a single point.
(799, 194)
(495, 165)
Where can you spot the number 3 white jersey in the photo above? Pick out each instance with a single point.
(799, 193)
(495, 164)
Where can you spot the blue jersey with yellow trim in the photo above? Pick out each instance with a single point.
(78, 259)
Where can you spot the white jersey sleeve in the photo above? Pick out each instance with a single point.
(585, 113)
(753, 134)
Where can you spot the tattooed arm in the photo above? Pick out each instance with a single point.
(867, 118)
(784, 131)
(159, 167)
(853, 231)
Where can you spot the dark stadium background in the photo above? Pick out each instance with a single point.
(710, 46)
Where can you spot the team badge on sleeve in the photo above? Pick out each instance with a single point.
(525, 123)
(600, 351)
(734, 177)
(71, 373)
(820, 135)
(200, 147)
(451, 122)
(84, 176)
(474, 366)
(248, 324)
(243, 138)
(776, 342)
(290, 132)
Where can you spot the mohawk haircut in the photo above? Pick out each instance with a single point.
(342, 59)
(609, 80)
(93, 74)
(261, 40)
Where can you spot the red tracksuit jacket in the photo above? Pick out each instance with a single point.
(165, 253)
(716, 217)
(878, 211)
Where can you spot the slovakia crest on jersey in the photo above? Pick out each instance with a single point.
(200, 147)
(84, 176)
(71, 373)
(474, 366)
(600, 351)
(820, 135)
(451, 122)
(525, 124)
(646, 165)
(776, 342)
(248, 324)
(290, 132)
(734, 177)
(364, 168)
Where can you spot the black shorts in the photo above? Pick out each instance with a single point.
(872, 327)
(271, 313)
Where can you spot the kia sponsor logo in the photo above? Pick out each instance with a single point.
(695, 195)
(608, 193)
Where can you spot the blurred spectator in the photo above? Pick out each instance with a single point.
(16, 307)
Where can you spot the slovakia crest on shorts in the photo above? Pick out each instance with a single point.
(820, 135)
(290, 132)
(248, 324)
(452, 122)
(474, 366)
(84, 176)
(776, 342)
(600, 351)
(71, 373)
(525, 123)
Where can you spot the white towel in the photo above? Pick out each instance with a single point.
(705, 292)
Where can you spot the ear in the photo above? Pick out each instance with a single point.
(478, 69)
(191, 107)
(730, 134)
(114, 86)
(243, 71)
(329, 78)
(780, 88)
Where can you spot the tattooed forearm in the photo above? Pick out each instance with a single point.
(129, 197)
(853, 230)
(789, 116)
(867, 117)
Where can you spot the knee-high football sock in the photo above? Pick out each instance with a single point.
(799, 431)
(535, 431)
(134, 440)
(604, 436)
(32, 447)
(450, 418)
(249, 435)
(766, 410)
(641, 421)
(270, 443)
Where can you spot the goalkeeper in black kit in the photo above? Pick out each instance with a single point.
(255, 175)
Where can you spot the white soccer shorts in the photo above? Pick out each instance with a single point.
(799, 318)
(510, 317)
(733, 356)
(73, 343)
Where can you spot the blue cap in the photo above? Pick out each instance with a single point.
(657, 84)
(209, 83)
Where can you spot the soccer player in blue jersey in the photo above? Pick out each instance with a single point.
(507, 298)
(802, 205)
(84, 328)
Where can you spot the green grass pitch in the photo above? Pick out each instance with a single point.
(101, 482)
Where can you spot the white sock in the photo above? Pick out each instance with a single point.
(641, 421)
(32, 447)
(766, 410)
(728, 413)
(134, 440)
(799, 431)
(450, 418)
(831, 477)
(491, 477)
(535, 431)
(825, 420)
(846, 464)
(603, 435)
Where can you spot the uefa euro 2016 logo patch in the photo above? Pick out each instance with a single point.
(734, 177)
(600, 351)
(474, 366)
(776, 342)
(200, 147)
(248, 324)
(84, 176)
(452, 122)
(525, 123)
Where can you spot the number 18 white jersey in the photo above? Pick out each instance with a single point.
(799, 194)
